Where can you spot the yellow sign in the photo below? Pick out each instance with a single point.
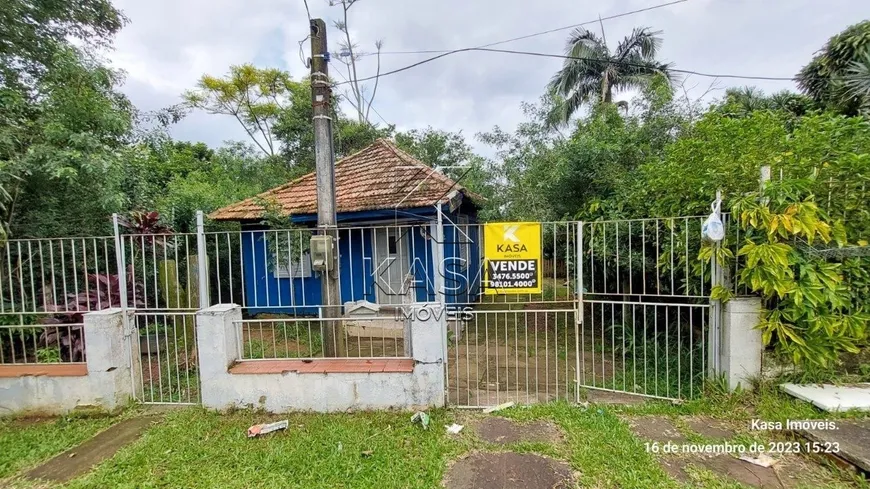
(512, 256)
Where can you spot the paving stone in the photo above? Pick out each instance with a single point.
(743, 472)
(676, 468)
(501, 431)
(78, 460)
(656, 428)
(853, 437)
(710, 428)
(508, 470)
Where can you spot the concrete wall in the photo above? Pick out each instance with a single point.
(107, 384)
(278, 392)
(741, 346)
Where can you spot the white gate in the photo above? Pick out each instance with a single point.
(625, 309)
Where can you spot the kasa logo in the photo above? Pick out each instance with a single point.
(514, 245)
(511, 248)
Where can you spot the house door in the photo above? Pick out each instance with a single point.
(391, 264)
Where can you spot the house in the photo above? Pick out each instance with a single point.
(389, 207)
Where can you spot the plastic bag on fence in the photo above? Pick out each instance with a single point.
(713, 229)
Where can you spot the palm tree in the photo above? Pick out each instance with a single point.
(742, 101)
(593, 72)
(857, 80)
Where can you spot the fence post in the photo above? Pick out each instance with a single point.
(121, 264)
(438, 258)
(202, 262)
(714, 354)
(121, 260)
(578, 382)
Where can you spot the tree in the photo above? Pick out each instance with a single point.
(63, 153)
(593, 72)
(528, 163)
(825, 78)
(857, 80)
(60, 118)
(437, 148)
(742, 101)
(34, 32)
(295, 130)
(349, 55)
(255, 97)
(450, 154)
(229, 174)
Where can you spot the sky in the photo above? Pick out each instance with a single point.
(169, 44)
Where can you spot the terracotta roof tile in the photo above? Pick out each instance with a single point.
(378, 177)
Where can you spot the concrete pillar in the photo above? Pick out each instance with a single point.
(741, 346)
(217, 343)
(429, 349)
(108, 352)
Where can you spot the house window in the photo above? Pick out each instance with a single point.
(391, 244)
(295, 268)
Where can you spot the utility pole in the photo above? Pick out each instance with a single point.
(324, 159)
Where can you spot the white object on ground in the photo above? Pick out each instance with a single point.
(761, 460)
(832, 398)
(454, 429)
(262, 429)
(493, 409)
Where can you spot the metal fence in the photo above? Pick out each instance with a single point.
(265, 270)
(57, 275)
(624, 304)
(31, 344)
(524, 356)
(656, 349)
(162, 271)
(303, 338)
(166, 366)
(646, 314)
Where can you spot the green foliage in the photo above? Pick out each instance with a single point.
(742, 101)
(594, 71)
(295, 131)
(33, 33)
(546, 176)
(856, 80)
(450, 154)
(811, 315)
(289, 241)
(70, 140)
(48, 355)
(830, 77)
(720, 152)
(528, 166)
(436, 148)
(233, 173)
(255, 97)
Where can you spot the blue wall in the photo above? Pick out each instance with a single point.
(265, 293)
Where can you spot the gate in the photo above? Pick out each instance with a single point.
(625, 308)
(644, 307)
(165, 359)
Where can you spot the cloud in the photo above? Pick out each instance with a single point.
(171, 43)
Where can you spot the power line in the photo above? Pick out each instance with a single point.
(536, 34)
(359, 109)
(562, 56)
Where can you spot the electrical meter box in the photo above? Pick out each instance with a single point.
(322, 252)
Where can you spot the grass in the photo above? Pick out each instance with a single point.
(195, 448)
(25, 442)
